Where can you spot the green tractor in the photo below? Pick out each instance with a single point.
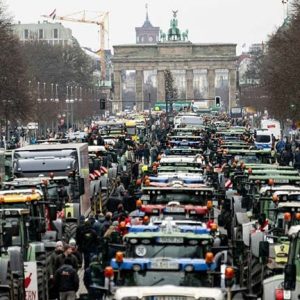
(17, 252)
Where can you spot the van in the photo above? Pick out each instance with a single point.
(263, 139)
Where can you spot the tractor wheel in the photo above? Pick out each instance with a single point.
(40, 283)
(8, 294)
(42, 276)
(255, 288)
(70, 230)
(4, 295)
(18, 288)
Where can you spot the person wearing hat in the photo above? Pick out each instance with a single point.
(59, 249)
(76, 252)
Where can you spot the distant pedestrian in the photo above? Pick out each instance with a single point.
(90, 243)
(146, 154)
(67, 281)
(297, 159)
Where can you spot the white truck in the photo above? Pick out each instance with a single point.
(272, 126)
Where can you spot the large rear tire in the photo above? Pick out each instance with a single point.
(255, 288)
(70, 230)
(42, 275)
(6, 294)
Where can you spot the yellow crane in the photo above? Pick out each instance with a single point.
(100, 19)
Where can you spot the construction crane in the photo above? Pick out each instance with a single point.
(100, 19)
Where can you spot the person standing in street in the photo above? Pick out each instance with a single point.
(59, 249)
(67, 254)
(67, 281)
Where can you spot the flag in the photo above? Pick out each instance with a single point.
(53, 14)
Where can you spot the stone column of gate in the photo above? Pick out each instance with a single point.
(189, 77)
(139, 95)
(160, 86)
(211, 85)
(117, 100)
(232, 88)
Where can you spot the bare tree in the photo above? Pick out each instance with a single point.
(15, 104)
(281, 68)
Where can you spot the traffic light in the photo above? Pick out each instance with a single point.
(218, 101)
(102, 104)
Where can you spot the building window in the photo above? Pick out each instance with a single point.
(55, 33)
(26, 34)
(41, 34)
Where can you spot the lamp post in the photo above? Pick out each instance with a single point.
(6, 104)
(70, 102)
(67, 102)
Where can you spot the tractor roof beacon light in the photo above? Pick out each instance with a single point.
(229, 273)
(119, 257)
(209, 257)
(109, 272)
(287, 217)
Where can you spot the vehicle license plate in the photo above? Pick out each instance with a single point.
(167, 265)
(170, 240)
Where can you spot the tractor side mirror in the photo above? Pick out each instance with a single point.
(52, 212)
(290, 277)
(81, 186)
(264, 249)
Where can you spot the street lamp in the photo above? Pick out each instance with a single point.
(6, 104)
(45, 99)
(71, 102)
(51, 99)
(56, 93)
(39, 100)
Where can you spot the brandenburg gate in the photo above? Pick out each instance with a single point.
(193, 61)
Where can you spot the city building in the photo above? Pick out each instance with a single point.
(147, 34)
(51, 33)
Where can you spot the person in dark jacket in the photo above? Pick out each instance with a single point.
(59, 249)
(66, 280)
(89, 243)
(146, 154)
(297, 159)
(94, 279)
(286, 157)
(60, 259)
(76, 252)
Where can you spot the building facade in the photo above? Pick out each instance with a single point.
(51, 33)
(192, 63)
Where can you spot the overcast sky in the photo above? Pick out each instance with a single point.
(220, 21)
